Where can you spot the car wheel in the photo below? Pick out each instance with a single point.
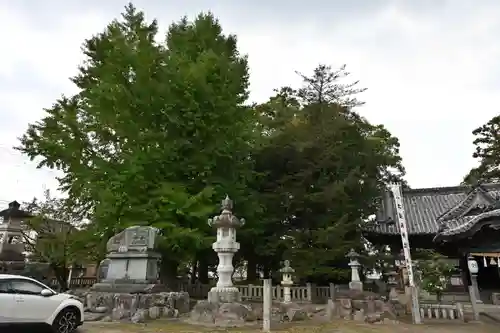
(66, 321)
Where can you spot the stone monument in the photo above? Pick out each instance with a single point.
(287, 281)
(355, 283)
(132, 264)
(225, 246)
(128, 286)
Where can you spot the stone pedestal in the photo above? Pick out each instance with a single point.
(474, 290)
(356, 285)
(224, 295)
(287, 294)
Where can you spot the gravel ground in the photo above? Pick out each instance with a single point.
(335, 327)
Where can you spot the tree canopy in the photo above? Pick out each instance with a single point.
(487, 153)
(159, 132)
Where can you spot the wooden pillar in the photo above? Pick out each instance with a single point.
(464, 271)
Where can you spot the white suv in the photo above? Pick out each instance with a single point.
(28, 303)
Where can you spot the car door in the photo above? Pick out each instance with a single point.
(6, 301)
(29, 305)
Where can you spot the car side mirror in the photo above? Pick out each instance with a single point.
(46, 293)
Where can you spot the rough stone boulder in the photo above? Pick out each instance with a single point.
(285, 312)
(357, 294)
(134, 307)
(221, 314)
(363, 306)
(292, 312)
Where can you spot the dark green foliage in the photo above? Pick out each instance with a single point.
(487, 142)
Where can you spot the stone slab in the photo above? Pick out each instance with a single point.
(134, 255)
(131, 288)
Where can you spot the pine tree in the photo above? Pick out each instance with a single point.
(487, 152)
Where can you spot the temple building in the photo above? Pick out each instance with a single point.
(456, 221)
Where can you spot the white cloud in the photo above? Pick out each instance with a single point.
(429, 70)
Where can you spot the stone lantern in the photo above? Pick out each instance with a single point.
(401, 265)
(287, 281)
(355, 283)
(392, 281)
(400, 261)
(225, 246)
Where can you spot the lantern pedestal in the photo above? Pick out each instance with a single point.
(224, 291)
(287, 292)
(475, 288)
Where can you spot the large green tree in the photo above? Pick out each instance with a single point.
(158, 132)
(322, 168)
(487, 153)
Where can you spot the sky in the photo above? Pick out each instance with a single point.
(430, 67)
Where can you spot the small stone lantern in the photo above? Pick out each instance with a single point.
(401, 265)
(400, 260)
(392, 281)
(287, 282)
(355, 283)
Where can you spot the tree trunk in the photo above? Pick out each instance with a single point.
(266, 271)
(203, 268)
(251, 269)
(168, 272)
(61, 275)
(439, 297)
(194, 271)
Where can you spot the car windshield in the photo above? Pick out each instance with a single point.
(44, 286)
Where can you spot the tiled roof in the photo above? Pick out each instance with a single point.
(469, 223)
(425, 207)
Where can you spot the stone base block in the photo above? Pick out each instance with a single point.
(221, 314)
(12, 267)
(130, 288)
(227, 295)
(356, 285)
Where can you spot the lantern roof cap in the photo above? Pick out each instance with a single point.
(286, 268)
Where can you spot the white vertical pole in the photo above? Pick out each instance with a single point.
(70, 273)
(403, 229)
(266, 315)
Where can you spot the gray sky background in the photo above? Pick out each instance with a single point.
(431, 67)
